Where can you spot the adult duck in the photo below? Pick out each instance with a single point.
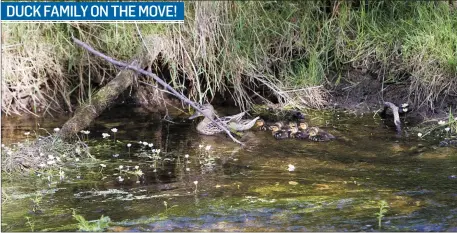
(234, 122)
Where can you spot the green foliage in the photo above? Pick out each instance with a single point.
(95, 225)
(30, 223)
(241, 45)
(36, 201)
(383, 206)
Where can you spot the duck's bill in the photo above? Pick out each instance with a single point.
(196, 114)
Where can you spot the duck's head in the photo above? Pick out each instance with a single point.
(292, 124)
(294, 129)
(274, 128)
(207, 109)
(313, 131)
(279, 124)
(303, 125)
(260, 123)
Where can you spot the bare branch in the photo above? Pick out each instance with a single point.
(157, 79)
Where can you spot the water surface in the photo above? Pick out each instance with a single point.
(336, 186)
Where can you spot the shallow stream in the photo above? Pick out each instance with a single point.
(336, 186)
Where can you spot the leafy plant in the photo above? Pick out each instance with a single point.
(30, 224)
(36, 201)
(95, 225)
(382, 210)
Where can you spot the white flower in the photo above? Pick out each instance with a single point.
(145, 143)
(200, 146)
(158, 151)
(404, 105)
(26, 133)
(56, 130)
(441, 122)
(129, 145)
(196, 182)
(136, 167)
(58, 159)
(102, 165)
(120, 178)
(76, 159)
(447, 129)
(291, 168)
(150, 145)
(41, 154)
(105, 135)
(187, 169)
(405, 109)
(419, 134)
(50, 162)
(116, 155)
(114, 130)
(140, 142)
(186, 156)
(120, 167)
(87, 132)
(139, 173)
(208, 147)
(51, 157)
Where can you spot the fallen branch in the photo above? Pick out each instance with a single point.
(87, 112)
(396, 115)
(158, 80)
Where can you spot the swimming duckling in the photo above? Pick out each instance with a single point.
(278, 133)
(303, 125)
(302, 131)
(281, 125)
(292, 129)
(318, 135)
(260, 124)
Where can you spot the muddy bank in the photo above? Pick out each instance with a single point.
(361, 91)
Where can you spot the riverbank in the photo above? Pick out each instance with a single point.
(312, 55)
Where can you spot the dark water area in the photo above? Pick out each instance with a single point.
(219, 186)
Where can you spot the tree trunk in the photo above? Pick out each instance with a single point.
(86, 113)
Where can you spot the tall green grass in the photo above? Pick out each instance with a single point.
(289, 50)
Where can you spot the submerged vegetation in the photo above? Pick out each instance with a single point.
(174, 180)
(291, 52)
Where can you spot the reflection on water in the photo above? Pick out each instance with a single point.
(336, 186)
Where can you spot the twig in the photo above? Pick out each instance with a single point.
(157, 79)
(396, 115)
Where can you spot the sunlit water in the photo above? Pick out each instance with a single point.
(336, 186)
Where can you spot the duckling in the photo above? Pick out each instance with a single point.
(318, 135)
(303, 125)
(302, 131)
(281, 124)
(278, 133)
(260, 124)
(293, 129)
